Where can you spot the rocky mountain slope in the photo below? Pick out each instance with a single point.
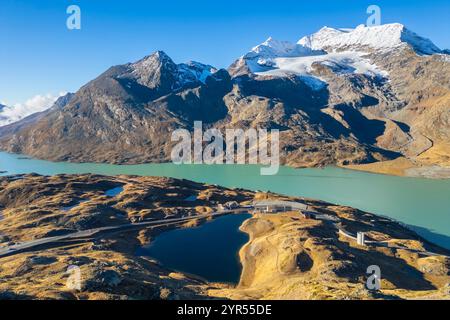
(339, 96)
(287, 257)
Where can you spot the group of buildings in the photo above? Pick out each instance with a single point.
(275, 206)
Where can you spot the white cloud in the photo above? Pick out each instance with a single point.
(35, 104)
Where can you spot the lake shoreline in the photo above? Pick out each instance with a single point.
(400, 167)
(413, 201)
(285, 259)
(176, 248)
(403, 167)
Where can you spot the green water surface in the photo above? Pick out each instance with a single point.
(424, 204)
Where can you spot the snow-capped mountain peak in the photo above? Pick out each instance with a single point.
(265, 54)
(272, 48)
(158, 67)
(341, 49)
(282, 58)
(383, 37)
(193, 71)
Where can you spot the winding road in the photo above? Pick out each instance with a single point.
(87, 234)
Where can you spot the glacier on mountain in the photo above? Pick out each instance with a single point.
(383, 37)
(344, 50)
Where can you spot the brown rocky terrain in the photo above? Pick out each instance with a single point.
(287, 257)
(292, 258)
(128, 113)
(111, 120)
(421, 86)
(35, 207)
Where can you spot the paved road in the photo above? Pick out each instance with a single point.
(86, 234)
(24, 246)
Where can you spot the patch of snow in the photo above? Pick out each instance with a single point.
(343, 50)
(314, 83)
(194, 71)
(145, 70)
(340, 62)
(272, 48)
(444, 57)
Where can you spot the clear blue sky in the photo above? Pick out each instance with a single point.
(40, 55)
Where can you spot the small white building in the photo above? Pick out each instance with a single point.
(360, 238)
(273, 206)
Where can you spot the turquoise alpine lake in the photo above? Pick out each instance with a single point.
(423, 204)
(209, 251)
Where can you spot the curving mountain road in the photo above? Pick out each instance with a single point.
(25, 246)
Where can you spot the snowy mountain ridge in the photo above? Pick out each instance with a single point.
(343, 50)
(383, 37)
(148, 70)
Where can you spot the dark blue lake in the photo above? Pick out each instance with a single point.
(209, 251)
